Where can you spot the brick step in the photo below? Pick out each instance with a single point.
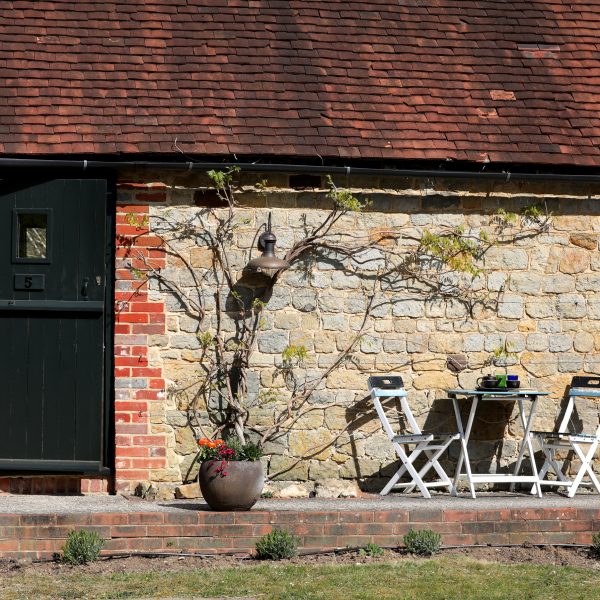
(31, 536)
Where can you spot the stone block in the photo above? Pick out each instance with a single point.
(201, 258)
(559, 283)
(335, 322)
(594, 306)
(570, 362)
(538, 342)
(370, 259)
(403, 307)
(273, 342)
(456, 310)
(539, 364)
(385, 326)
(394, 343)
(177, 418)
(297, 278)
(187, 342)
(507, 259)
(560, 342)
(417, 343)
(356, 303)
(311, 444)
(526, 283)
(435, 380)
(583, 341)
(286, 320)
(550, 326)
(294, 490)
(371, 344)
(510, 307)
(304, 300)
(574, 260)
(324, 342)
(588, 282)
(570, 306)
(344, 281)
(435, 309)
(291, 469)
(336, 488)
(473, 342)
(515, 342)
(188, 491)
(569, 223)
(185, 440)
(323, 469)
(445, 343)
(347, 379)
(589, 241)
(496, 282)
(311, 420)
(592, 365)
(279, 299)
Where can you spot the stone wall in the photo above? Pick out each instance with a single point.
(548, 312)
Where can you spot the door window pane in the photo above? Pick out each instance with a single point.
(33, 232)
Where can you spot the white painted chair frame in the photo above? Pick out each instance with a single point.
(563, 439)
(432, 445)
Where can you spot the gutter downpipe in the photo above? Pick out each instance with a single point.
(84, 165)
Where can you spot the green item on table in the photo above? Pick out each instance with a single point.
(501, 380)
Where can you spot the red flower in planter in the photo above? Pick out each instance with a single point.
(225, 451)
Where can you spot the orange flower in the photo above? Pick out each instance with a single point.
(212, 444)
(203, 442)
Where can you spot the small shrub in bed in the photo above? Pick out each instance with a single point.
(277, 545)
(82, 547)
(371, 550)
(596, 545)
(422, 542)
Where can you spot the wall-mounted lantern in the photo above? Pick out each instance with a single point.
(267, 261)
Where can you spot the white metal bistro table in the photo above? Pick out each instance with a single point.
(522, 397)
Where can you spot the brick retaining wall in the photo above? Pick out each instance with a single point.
(39, 536)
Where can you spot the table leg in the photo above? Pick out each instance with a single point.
(464, 438)
(526, 443)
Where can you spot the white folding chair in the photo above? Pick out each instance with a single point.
(431, 445)
(583, 445)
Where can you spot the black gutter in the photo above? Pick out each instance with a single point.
(504, 176)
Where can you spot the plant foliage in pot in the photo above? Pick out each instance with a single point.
(231, 474)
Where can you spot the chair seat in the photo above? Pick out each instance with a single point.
(574, 437)
(424, 437)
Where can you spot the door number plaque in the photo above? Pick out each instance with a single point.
(30, 283)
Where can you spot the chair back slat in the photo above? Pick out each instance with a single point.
(386, 383)
(383, 382)
(581, 381)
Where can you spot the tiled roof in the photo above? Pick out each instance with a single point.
(513, 81)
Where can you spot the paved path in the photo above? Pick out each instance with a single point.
(18, 504)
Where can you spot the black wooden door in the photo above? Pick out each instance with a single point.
(53, 271)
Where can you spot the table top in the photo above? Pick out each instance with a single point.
(513, 393)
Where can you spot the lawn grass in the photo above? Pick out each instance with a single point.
(444, 578)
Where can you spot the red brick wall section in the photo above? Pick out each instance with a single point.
(139, 450)
(205, 532)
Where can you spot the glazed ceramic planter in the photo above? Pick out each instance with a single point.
(238, 490)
